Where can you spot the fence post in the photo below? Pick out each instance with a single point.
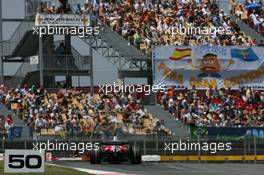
(144, 145)
(245, 147)
(255, 149)
(164, 151)
(3, 144)
(249, 146)
(199, 151)
(157, 145)
(205, 152)
(25, 144)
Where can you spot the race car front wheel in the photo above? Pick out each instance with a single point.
(95, 157)
(136, 155)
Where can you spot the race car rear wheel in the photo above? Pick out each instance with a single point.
(95, 157)
(136, 155)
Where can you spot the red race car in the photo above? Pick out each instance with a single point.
(116, 151)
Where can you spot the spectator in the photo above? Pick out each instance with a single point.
(73, 112)
(146, 23)
(2, 128)
(60, 52)
(8, 127)
(137, 40)
(253, 17)
(63, 6)
(218, 107)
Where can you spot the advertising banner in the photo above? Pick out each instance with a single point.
(69, 20)
(198, 131)
(209, 66)
(16, 132)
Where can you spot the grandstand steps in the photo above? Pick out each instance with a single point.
(32, 78)
(248, 30)
(178, 128)
(22, 42)
(17, 121)
(28, 45)
(117, 50)
(29, 74)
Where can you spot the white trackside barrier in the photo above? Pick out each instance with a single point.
(145, 158)
(151, 158)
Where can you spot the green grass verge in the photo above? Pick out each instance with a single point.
(49, 170)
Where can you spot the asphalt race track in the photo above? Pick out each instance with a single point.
(155, 168)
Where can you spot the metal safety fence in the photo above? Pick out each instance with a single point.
(149, 146)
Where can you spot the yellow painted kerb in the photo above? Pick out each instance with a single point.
(211, 158)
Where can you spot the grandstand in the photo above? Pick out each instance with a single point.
(251, 13)
(132, 33)
(216, 107)
(173, 80)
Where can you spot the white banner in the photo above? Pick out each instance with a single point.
(208, 66)
(34, 60)
(68, 20)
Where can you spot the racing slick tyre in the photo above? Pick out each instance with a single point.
(136, 155)
(95, 156)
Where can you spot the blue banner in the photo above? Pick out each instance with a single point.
(257, 132)
(16, 132)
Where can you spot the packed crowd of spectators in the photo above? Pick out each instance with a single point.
(216, 107)
(6, 123)
(145, 23)
(251, 12)
(52, 8)
(74, 111)
(151, 22)
(66, 7)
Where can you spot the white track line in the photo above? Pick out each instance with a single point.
(91, 171)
